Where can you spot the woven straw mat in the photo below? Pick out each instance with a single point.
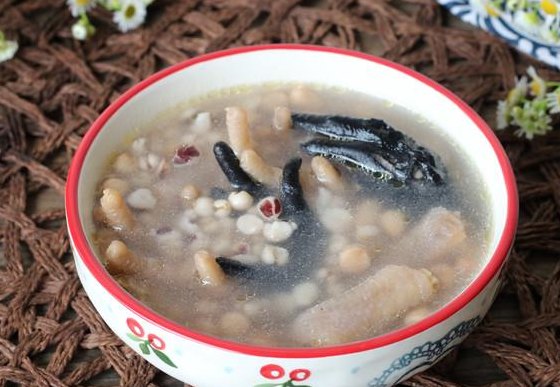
(50, 93)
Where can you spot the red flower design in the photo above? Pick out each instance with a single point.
(300, 375)
(135, 327)
(272, 371)
(152, 344)
(156, 342)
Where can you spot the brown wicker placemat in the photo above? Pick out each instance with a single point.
(56, 86)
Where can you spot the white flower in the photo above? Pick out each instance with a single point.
(79, 31)
(83, 29)
(553, 101)
(478, 7)
(518, 92)
(514, 98)
(528, 21)
(532, 118)
(77, 7)
(513, 5)
(551, 29)
(537, 86)
(131, 14)
(8, 49)
(502, 115)
(549, 7)
(484, 8)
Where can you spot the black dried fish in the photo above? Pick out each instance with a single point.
(262, 274)
(344, 128)
(376, 160)
(229, 163)
(373, 146)
(308, 241)
(305, 245)
(291, 192)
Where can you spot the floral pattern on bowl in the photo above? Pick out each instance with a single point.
(426, 354)
(531, 26)
(275, 372)
(151, 343)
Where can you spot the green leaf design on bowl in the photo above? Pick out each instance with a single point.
(133, 337)
(145, 348)
(164, 358)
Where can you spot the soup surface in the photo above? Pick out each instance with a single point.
(266, 215)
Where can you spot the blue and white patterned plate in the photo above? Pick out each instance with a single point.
(531, 26)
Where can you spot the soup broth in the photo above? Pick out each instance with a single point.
(238, 216)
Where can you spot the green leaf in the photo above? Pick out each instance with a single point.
(132, 337)
(164, 358)
(144, 348)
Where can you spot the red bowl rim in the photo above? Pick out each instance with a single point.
(109, 284)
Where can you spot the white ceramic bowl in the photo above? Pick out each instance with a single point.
(205, 361)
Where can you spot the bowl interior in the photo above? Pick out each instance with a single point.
(379, 79)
